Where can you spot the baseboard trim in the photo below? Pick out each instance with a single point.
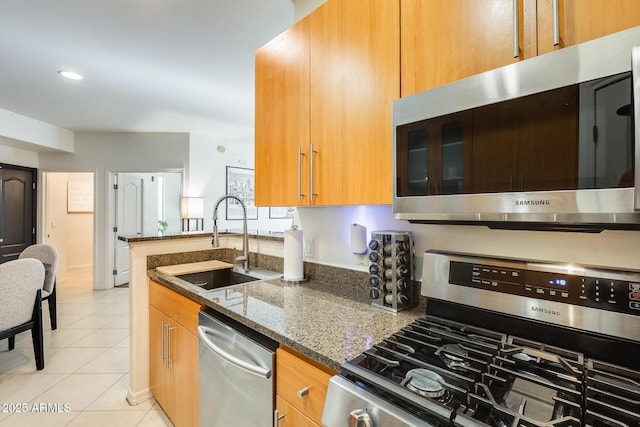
(139, 397)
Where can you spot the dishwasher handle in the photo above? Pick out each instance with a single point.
(204, 332)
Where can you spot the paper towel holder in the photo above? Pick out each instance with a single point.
(293, 282)
(359, 239)
(298, 281)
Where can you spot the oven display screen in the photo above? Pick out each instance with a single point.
(549, 280)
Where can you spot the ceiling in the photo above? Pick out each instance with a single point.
(148, 65)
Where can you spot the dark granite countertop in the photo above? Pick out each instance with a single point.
(317, 320)
(253, 234)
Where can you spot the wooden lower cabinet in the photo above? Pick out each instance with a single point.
(173, 354)
(288, 416)
(301, 389)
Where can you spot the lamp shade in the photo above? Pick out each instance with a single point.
(192, 207)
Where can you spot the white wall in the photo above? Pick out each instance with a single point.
(17, 156)
(27, 132)
(106, 152)
(302, 8)
(207, 178)
(329, 227)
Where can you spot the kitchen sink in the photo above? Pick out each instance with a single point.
(214, 279)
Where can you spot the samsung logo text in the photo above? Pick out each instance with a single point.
(545, 311)
(532, 202)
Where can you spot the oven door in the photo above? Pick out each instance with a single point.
(348, 405)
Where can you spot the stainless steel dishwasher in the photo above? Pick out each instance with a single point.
(237, 384)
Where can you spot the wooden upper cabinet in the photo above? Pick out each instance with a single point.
(282, 118)
(444, 41)
(355, 77)
(324, 94)
(583, 20)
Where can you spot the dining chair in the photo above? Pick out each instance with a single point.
(47, 254)
(21, 301)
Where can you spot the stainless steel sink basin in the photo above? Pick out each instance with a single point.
(214, 279)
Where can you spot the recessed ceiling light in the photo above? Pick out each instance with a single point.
(70, 74)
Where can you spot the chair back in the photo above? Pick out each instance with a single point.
(47, 254)
(20, 280)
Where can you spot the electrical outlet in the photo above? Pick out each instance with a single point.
(308, 247)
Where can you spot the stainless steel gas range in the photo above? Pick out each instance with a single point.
(507, 343)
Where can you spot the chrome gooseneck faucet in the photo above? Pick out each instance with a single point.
(245, 240)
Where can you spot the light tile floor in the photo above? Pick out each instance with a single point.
(85, 377)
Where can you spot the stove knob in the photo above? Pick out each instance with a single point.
(359, 418)
(374, 293)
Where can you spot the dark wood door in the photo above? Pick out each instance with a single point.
(17, 210)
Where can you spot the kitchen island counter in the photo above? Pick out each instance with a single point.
(316, 319)
(252, 234)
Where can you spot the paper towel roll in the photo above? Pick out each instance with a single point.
(358, 239)
(293, 255)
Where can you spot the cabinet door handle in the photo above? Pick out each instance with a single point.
(556, 23)
(277, 417)
(162, 344)
(300, 155)
(312, 194)
(516, 30)
(169, 358)
(302, 392)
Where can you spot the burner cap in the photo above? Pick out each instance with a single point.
(425, 382)
(452, 356)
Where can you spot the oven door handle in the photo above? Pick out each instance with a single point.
(204, 332)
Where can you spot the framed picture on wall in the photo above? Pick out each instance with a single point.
(280, 212)
(241, 183)
(79, 197)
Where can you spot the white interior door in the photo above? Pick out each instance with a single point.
(129, 192)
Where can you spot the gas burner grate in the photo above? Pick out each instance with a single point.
(613, 395)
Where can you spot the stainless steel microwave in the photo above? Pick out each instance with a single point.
(546, 143)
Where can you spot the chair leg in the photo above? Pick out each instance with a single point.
(36, 334)
(12, 342)
(53, 309)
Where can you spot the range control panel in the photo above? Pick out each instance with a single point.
(612, 292)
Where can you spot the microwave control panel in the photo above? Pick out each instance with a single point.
(615, 292)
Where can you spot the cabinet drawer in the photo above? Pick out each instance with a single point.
(178, 307)
(288, 416)
(301, 384)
